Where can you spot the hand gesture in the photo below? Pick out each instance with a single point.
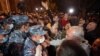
(38, 50)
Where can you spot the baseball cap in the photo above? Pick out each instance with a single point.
(19, 19)
(37, 29)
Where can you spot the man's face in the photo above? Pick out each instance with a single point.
(69, 33)
(1, 37)
(2, 17)
(38, 38)
(91, 26)
(25, 28)
(6, 26)
(81, 21)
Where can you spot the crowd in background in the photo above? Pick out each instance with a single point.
(48, 34)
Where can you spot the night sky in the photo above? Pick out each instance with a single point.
(63, 5)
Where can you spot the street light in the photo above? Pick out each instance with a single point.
(41, 8)
(36, 9)
(71, 10)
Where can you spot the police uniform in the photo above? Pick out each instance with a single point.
(16, 36)
(30, 45)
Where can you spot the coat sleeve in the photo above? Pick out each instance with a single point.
(28, 49)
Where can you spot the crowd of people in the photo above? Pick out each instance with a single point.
(48, 34)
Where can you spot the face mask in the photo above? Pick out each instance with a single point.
(41, 40)
(11, 26)
(26, 31)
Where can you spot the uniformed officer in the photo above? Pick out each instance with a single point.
(37, 36)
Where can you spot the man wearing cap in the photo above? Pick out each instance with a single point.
(19, 34)
(8, 27)
(21, 28)
(19, 19)
(3, 35)
(32, 45)
(3, 40)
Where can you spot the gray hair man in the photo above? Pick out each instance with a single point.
(76, 33)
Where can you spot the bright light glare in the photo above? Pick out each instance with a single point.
(71, 10)
(36, 9)
(41, 8)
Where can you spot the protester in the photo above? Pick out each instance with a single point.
(41, 33)
(91, 33)
(76, 33)
(96, 47)
(70, 48)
